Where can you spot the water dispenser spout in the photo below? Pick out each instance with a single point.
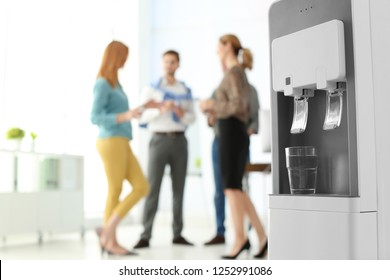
(301, 111)
(334, 106)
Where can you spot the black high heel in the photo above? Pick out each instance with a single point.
(111, 253)
(103, 249)
(128, 253)
(261, 254)
(246, 246)
(99, 232)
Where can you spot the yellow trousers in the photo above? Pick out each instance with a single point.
(120, 164)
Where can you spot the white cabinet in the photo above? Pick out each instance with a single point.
(23, 213)
(5, 219)
(40, 193)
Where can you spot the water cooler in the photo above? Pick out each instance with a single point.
(330, 89)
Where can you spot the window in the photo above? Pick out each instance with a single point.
(50, 53)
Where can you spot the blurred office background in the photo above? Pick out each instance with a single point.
(50, 52)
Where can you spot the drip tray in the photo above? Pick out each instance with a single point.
(329, 203)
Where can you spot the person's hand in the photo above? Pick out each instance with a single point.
(129, 115)
(167, 106)
(179, 111)
(133, 114)
(170, 106)
(206, 105)
(152, 104)
(211, 120)
(250, 131)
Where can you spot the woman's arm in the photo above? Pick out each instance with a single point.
(99, 114)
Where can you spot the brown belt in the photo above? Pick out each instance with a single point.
(172, 133)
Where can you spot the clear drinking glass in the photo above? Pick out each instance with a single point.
(302, 163)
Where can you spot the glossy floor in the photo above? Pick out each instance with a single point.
(199, 227)
(71, 246)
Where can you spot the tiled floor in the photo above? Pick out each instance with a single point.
(71, 247)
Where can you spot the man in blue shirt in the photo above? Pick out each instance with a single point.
(168, 145)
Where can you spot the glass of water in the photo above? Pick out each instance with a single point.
(302, 163)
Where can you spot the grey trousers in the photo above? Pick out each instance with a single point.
(165, 150)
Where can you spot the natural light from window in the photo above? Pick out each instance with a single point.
(50, 53)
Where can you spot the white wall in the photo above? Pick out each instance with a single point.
(193, 28)
(3, 32)
(50, 52)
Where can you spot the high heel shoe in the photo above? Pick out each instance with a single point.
(261, 254)
(99, 232)
(127, 253)
(103, 246)
(112, 253)
(246, 246)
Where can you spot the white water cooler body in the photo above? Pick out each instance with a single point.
(330, 80)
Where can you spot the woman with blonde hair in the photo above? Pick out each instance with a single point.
(231, 108)
(111, 113)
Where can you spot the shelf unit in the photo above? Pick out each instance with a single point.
(40, 192)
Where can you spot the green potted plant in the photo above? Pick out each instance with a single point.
(33, 136)
(15, 136)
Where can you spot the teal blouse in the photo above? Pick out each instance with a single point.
(107, 103)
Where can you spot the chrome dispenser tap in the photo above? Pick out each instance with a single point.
(301, 111)
(334, 106)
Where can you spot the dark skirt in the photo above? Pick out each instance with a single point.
(233, 151)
